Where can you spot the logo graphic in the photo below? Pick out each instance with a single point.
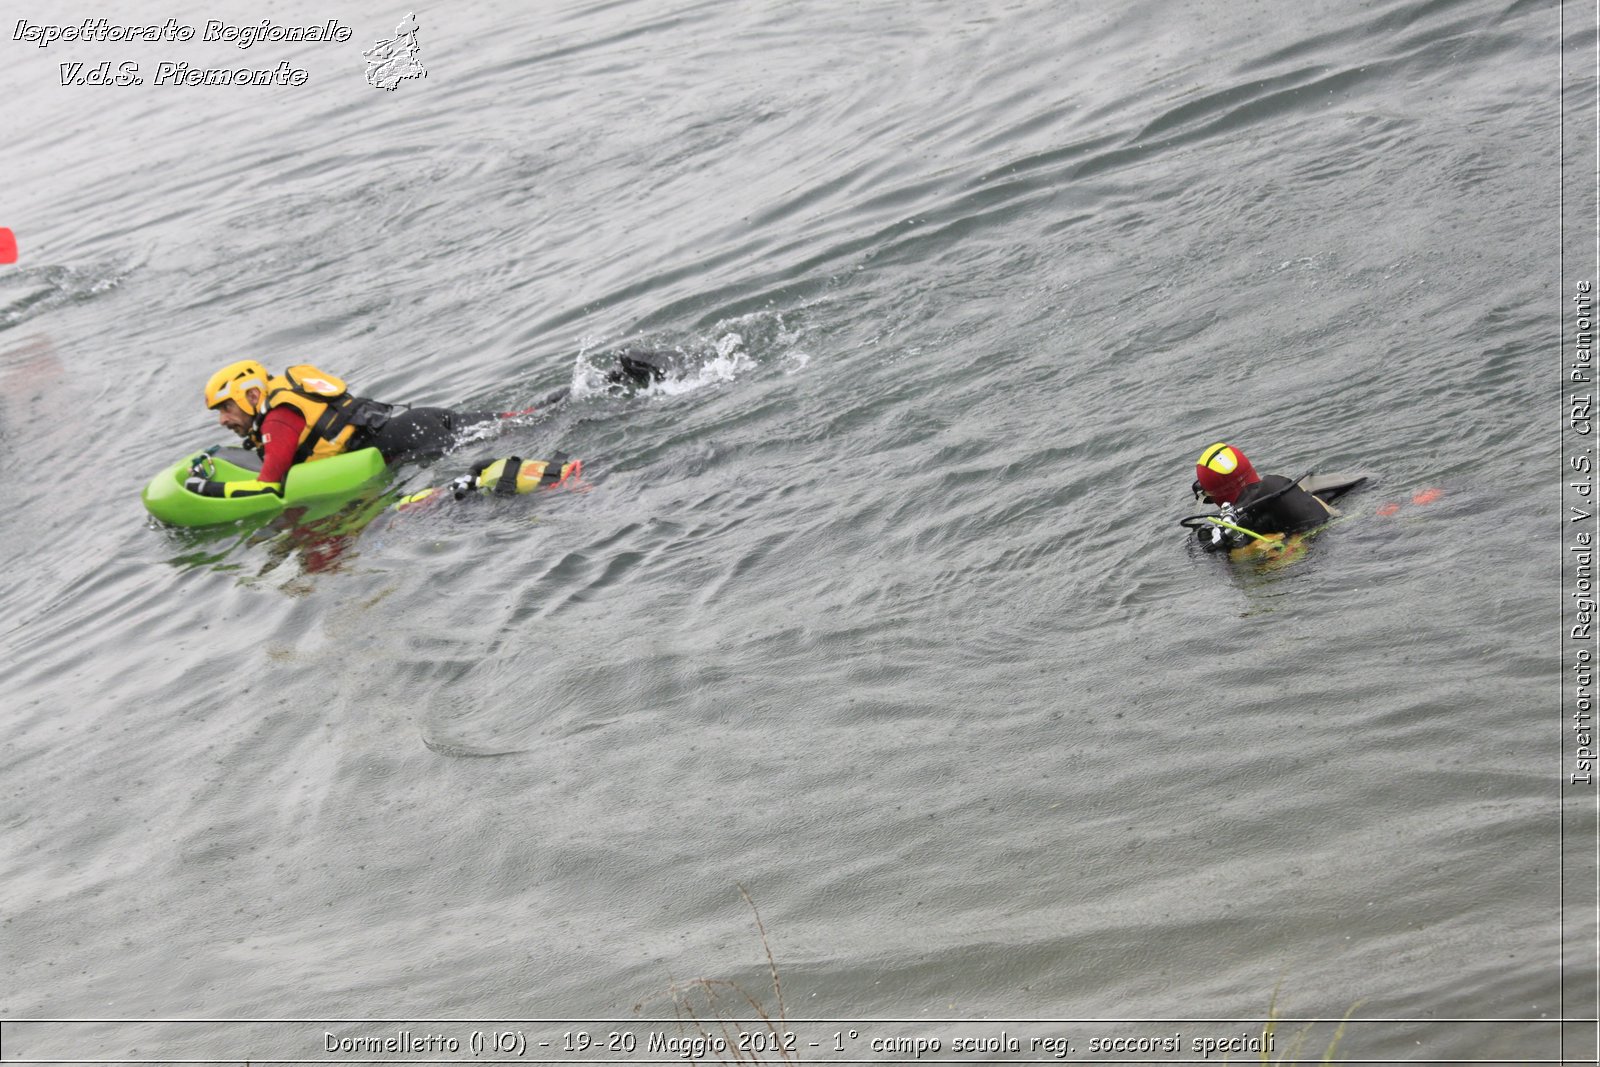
(391, 62)
(8, 246)
(1223, 461)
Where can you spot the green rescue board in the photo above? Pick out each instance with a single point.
(319, 486)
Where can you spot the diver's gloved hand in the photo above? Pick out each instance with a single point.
(229, 490)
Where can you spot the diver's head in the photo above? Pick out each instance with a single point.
(235, 393)
(236, 382)
(1221, 473)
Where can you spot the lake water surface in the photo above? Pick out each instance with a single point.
(877, 607)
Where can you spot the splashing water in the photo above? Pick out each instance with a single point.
(691, 367)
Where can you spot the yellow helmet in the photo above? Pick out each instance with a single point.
(234, 381)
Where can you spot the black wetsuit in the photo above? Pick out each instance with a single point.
(1277, 505)
(412, 433)
(1274, 505)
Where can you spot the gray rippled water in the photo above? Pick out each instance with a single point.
(876, 607)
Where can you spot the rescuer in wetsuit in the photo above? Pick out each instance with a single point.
(305, 414)
(1252, 507)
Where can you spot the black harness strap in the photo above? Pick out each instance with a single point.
(252, 440)
(329, 424)
(1256, 505)
(552, 470)
(506, 484)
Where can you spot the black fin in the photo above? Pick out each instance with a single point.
(1330, 487)
(642, 368)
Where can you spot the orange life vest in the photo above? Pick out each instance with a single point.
(332, 415)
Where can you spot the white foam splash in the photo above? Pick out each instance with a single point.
(587, 379)
(728, 362)
(716, 358)
(689, 370)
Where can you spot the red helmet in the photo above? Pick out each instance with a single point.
(1221, 472)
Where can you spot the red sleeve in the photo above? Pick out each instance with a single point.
(280, 436)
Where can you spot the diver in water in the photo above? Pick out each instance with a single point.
(304, 415)
(1256, 508)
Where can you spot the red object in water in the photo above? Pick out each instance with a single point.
(8, 246)
(1388, 509)
(1427, 496)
